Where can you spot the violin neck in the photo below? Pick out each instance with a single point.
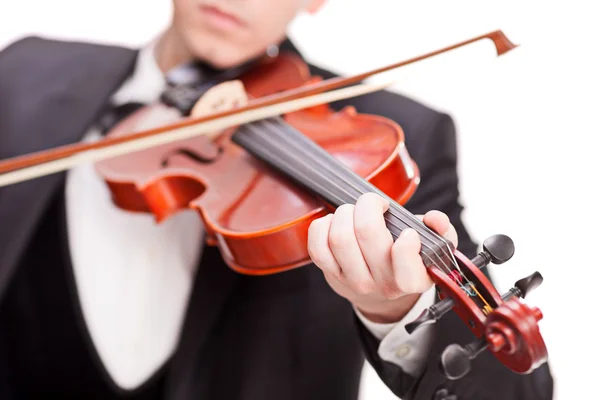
(290, 152)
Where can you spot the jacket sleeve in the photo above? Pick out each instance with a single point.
(436, 156)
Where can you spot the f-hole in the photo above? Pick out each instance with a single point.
(192, 155)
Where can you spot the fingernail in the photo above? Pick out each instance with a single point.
(409, 233)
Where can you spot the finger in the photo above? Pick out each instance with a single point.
(409, 271)
(375, 241)
(440, 223)
(345, 249)
(318, 246)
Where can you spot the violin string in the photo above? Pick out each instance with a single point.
(444, 266)
(258, 132)
(341, 168)
(321, 188)
(369, 187)
(328, 163)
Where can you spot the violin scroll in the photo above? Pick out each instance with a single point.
(502, 324)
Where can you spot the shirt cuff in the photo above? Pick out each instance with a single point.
(408, 351)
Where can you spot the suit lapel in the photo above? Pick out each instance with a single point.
(79, 79)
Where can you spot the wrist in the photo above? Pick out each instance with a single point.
(389, 311)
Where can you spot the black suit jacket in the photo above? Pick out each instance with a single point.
(286, 336)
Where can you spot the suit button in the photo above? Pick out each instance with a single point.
(444, 394)
(403, 350)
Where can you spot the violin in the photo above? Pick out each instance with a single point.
(262, 156)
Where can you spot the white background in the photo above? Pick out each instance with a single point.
(528, 126)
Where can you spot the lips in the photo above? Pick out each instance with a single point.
(220, 18)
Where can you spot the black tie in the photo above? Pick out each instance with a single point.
(114, 114)
(185, 85)
(180, 93)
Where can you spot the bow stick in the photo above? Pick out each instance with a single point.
(38, 164)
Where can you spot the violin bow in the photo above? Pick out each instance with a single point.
(46, 162)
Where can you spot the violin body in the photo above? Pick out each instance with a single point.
(257, 217)
(260, 179)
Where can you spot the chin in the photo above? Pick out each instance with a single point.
(222, 55)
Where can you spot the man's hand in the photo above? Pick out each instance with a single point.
(361, 261)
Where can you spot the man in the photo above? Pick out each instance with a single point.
(100, 303)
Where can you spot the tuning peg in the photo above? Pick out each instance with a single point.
(456, 359)
(497, 249)
(529, 283)
(430, 315)
(524, 286)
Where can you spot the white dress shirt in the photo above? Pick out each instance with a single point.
(397, 346)
(134, 276)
